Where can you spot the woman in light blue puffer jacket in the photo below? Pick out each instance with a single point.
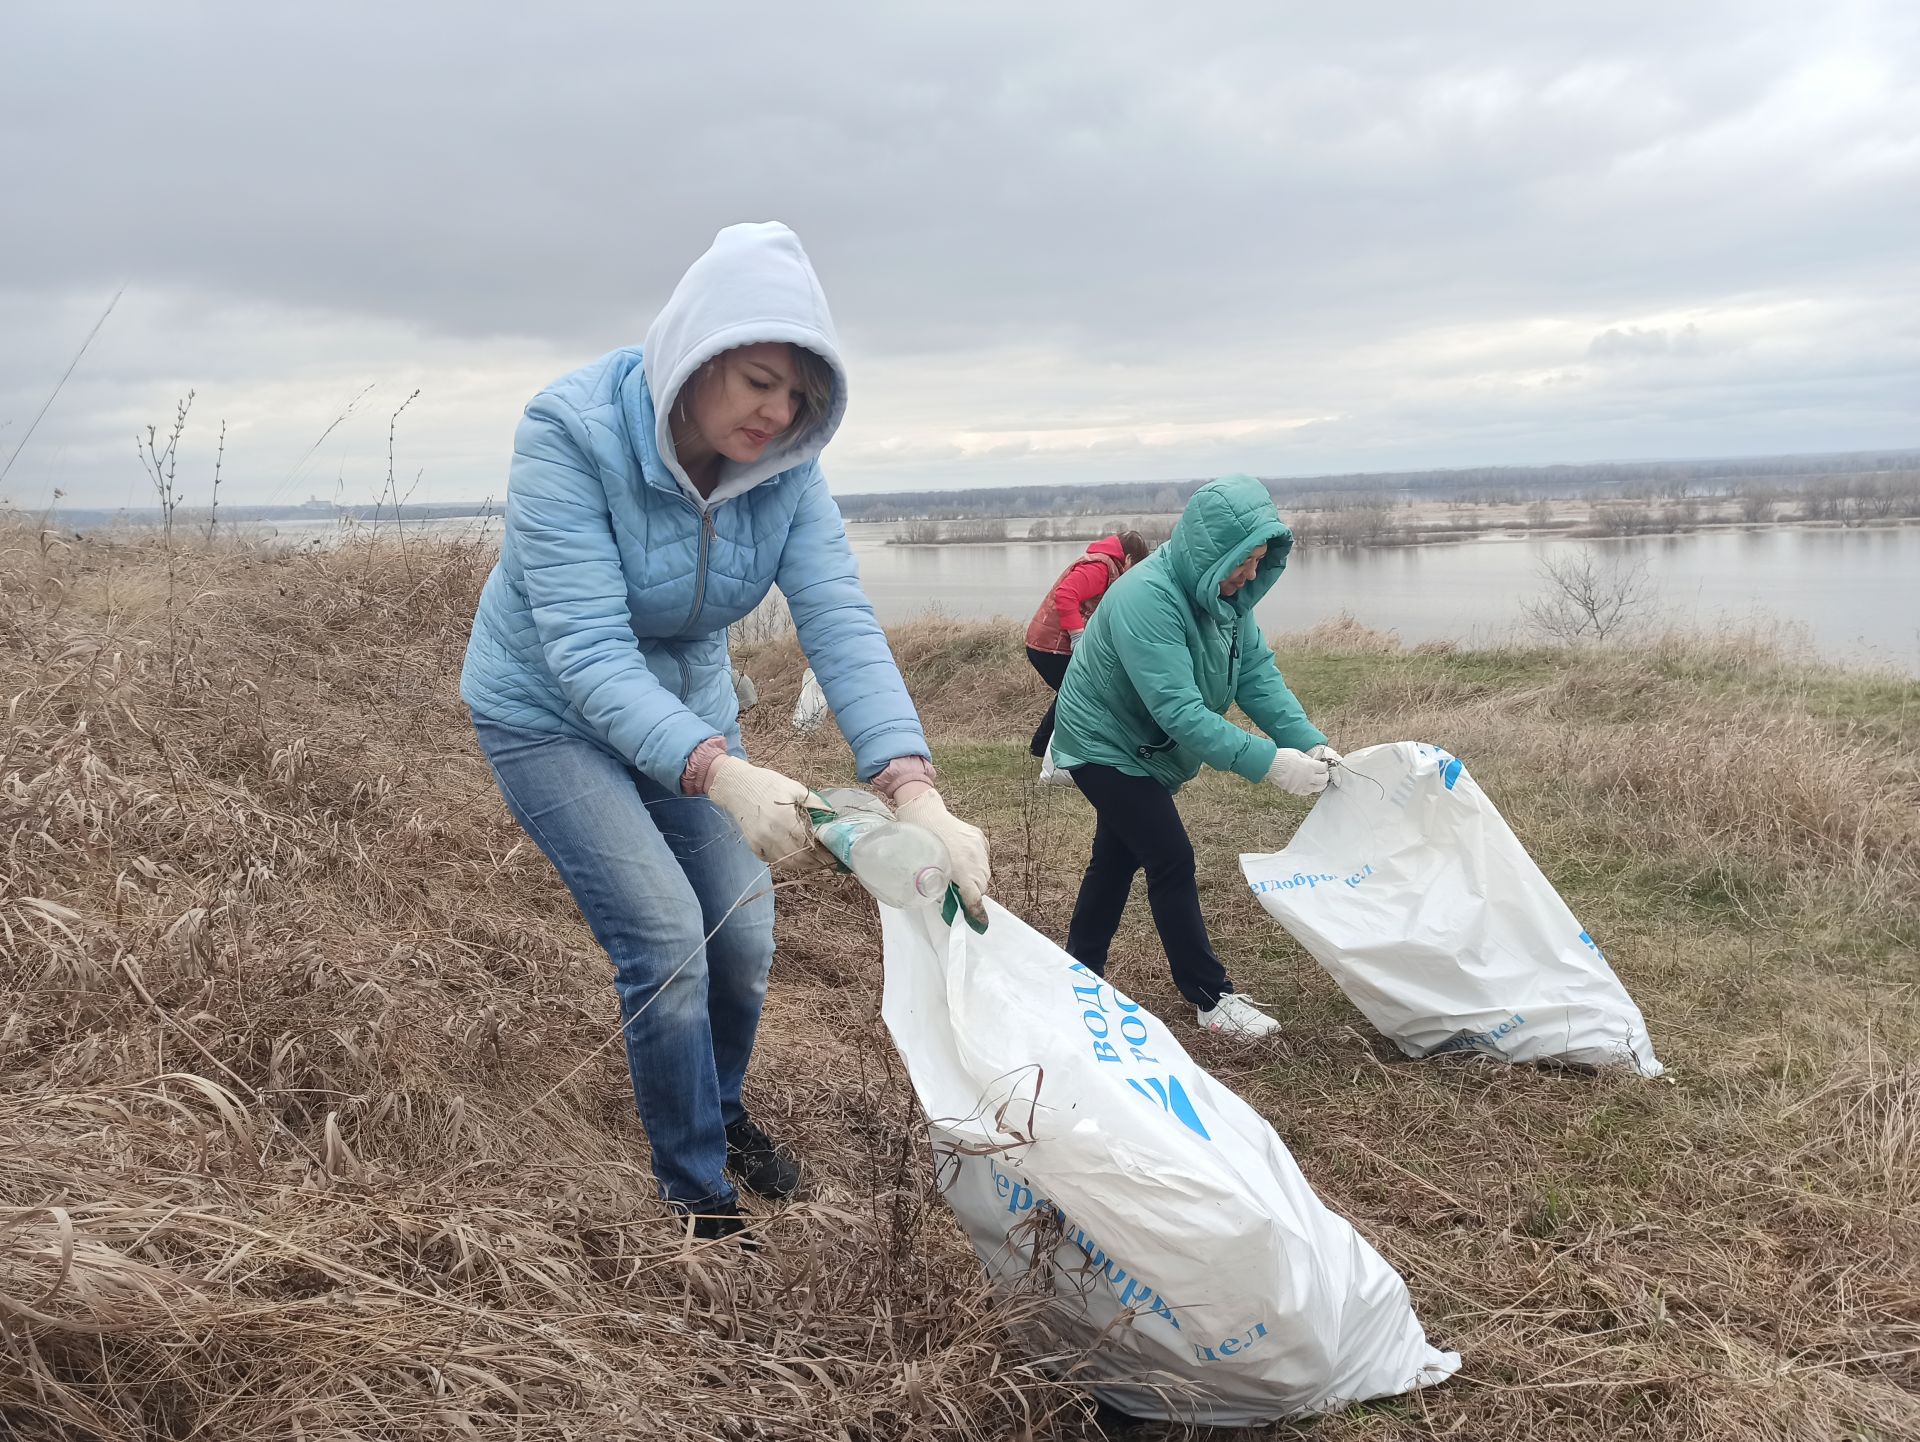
(655, 497)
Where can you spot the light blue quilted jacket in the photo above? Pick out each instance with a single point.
(606, 615)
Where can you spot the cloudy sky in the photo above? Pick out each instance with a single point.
(1062, 242)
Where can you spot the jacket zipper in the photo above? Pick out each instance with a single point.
(700, 564)
(1150, 749)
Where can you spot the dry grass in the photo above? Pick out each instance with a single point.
(1732, 1253)
(298, 1140)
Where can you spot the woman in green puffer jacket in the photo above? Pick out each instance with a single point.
(1143, 708)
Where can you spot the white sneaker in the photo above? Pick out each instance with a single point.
(1235, 1015)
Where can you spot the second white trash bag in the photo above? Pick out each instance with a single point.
(1185, 1248)
(811, 709)
(1051, 775)
(1408, 887)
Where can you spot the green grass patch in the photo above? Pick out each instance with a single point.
(974, 762)
(1867, 705)
(1324, 680)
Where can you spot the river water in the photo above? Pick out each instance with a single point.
(1856, 593)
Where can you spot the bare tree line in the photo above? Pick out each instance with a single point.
(1343, 520)
(1481, 485)
(1847, 499)
(924, 532)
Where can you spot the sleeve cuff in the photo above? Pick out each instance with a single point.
(693, 780)
(899, 772)
(1257, 759)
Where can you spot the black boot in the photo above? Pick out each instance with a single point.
(1112, 1422)
(720, 1220)
(762, 1168)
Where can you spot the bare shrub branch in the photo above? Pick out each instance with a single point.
(1588, 596)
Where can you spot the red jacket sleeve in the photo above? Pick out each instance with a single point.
(1078, 592)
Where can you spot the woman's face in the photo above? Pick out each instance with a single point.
(746, 400)
(1244, 572)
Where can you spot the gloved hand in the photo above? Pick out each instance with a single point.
(1326, 753)
(771, 811)
(1298, 772)
(966, 846)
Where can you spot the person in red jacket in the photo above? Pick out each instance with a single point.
(1064, 611)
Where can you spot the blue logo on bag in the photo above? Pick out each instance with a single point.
(1488, 1040)
(1308, 880)
(1451, 766)
(1134, 1291)
(1125, 1042)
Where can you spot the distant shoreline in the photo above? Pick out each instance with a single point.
(1353, 520)
(1310, 530)
(1451, 535)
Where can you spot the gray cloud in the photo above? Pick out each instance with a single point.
(1069, 242)
(1634, 342)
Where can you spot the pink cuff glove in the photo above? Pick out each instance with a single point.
(699, 772)
(902, 771)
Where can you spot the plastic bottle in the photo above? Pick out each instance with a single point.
(903, 866)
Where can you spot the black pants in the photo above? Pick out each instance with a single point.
(1139, 828)
(1053, 670)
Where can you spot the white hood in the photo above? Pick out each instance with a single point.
(754, 284)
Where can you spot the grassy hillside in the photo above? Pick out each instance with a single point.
(313, 1121)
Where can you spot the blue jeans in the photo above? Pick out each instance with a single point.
(685, 912)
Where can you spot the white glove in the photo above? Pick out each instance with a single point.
(1298, 772)
(771, 812)
(966, 847)
(1326, 753)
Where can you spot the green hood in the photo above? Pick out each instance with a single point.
(1222, 524)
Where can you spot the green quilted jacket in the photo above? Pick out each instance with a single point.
(1166, 654)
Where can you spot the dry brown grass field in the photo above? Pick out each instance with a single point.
(313, 1125)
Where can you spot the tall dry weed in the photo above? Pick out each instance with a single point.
(297, 1138)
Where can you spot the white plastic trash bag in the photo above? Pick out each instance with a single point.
(811, 709)
(745, 694)
(1051, 775)
(1406, 885)
(1179, 1242)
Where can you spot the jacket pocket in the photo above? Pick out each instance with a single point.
(1147, 750)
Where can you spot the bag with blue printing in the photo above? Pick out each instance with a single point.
(1188, 1271)
(1408, 887)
